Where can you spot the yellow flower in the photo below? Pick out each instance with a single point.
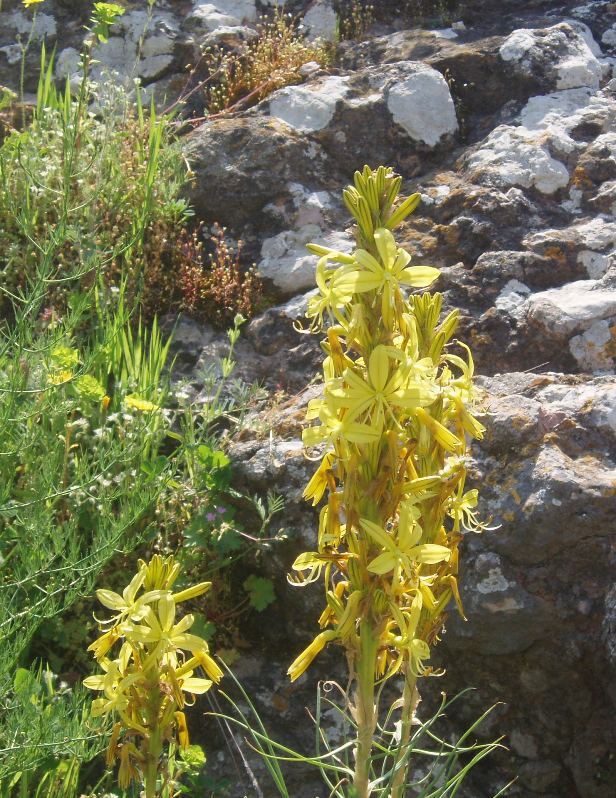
(128, 605)
(334, 428)
(59, 376)
(302, 662)
(28, 3)
(137, 403)
(321, 478)
(115, 686)
(412, 648)
(380, 393)
(160, 629)
(386, 276)
(406, 553)
(333, 294)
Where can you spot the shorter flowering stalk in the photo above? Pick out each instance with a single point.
(144, 686)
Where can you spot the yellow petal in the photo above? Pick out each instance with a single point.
(94, 682)
(430, 553)
(192, 592)
(386, 245)
(130, 592)
(418, 276)
(110, 599)
(378, 534)
(378, 368)
(166, 612)
(383, 564)
(359, 282)
(195, 685)
(360, 433)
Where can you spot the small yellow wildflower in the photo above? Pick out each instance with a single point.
(137, 403)
(144, 686)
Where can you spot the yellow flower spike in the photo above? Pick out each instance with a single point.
(396, 413)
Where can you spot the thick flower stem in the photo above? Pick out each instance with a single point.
(410, 700)
(365, 711)
(151, 764)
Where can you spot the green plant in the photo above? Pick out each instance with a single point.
(78, 483)
(103, 17)
(215, 292)
(442, 763)
(97, 183)
(395, 418)
(271, 61)
(354, 20)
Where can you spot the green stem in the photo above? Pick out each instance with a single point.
(410, 700)
(152, 758)
(365, 711)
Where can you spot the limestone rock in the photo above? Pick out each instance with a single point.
(321, 22)
(286, 261)
(311, 107)
(421, 104)
(560, 54)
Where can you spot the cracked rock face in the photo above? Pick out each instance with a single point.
(506, 126)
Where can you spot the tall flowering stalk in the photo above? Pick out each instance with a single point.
(143, 687)
(395, 421)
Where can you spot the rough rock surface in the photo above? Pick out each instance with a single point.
(506, 125)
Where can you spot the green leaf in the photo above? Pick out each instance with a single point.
(23, 679)
(260, 590)
(194, 756)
